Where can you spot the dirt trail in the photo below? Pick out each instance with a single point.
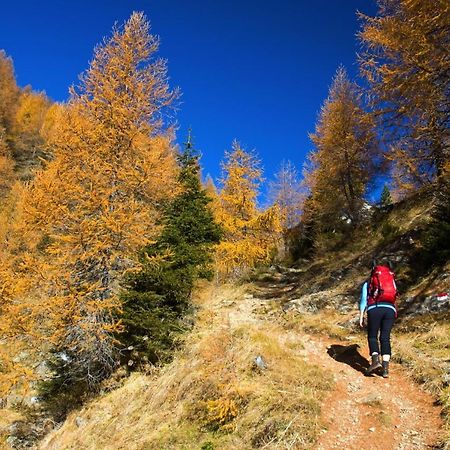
(372, 412)
(360, 412)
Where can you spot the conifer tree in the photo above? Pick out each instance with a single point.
(286, 191)
(250, 235)
(6, 169)
(28, 142)
(84, 217)
(386, 198)
(158, 296)
(211, 188)
(343, 161)
(405, 60)
(9, 94)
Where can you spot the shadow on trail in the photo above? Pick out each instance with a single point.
(349, 354)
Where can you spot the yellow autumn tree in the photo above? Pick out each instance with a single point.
(344, 157)
(6, 168)
(405, 60)
(250, 235)
(83, 218)
(28, 142)
(9, 94)
(213, 193)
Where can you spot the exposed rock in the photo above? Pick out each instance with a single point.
(424, 305)
(260, 363)
(80, 422)
(371, 400)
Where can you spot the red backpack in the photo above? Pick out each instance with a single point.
(382, 286)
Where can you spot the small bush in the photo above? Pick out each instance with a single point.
(389, 231)
(220, 413)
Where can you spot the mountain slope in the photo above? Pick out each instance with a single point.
(214, 396)
(307, 389)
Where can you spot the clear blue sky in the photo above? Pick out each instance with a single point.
(257, 71)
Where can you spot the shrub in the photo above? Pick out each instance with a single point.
(389, 231)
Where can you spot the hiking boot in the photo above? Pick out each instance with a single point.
(385, 369)
(375, 364)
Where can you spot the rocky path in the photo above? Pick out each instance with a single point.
(361, 412)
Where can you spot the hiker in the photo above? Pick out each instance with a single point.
(378, 296)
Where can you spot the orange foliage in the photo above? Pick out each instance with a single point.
(406, 62)
(250, 235)
(9, 93)
(343, 160)
(82, 219)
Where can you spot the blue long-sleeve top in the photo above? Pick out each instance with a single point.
(363, 300)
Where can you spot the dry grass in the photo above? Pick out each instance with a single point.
(421, 343)
(212, 395)
(7, 417)
(423, 346)
(412, 212)
(328, 323)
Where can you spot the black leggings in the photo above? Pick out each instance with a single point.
(380, 319)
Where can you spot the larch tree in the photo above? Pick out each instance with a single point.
(286, 191)
(9, 94)
(93, 206)
(212, 192)
(28, 142)
(250, 235)
(343, 161)
(406, 61)
(7, 176)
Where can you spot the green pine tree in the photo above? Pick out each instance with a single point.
(435, 241)
(386, 198)
(158, 298)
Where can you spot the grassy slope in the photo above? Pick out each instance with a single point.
(329, 288)
(211, 396)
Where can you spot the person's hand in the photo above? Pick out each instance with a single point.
(361, 321)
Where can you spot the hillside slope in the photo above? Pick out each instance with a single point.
(307, 389)
(214, 396)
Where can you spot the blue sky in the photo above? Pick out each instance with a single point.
(256, 71)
